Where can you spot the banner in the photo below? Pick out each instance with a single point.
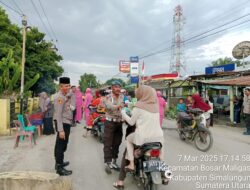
(134, 69)
(134, 80)
(124, 66)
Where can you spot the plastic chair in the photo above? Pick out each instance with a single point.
(36, 119)
(31, 128)
(20, 132)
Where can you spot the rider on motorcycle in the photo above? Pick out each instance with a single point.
(200, 104)
(145, 116)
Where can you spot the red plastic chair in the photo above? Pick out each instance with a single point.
(20, 132)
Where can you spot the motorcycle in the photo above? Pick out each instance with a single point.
(98, 119)
(194, 127)
(150, 171)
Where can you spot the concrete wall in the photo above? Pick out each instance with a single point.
(4, 116)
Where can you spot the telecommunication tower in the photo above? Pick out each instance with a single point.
(177, 61)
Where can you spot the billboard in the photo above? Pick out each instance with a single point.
(219, 69)
(134, 69)
(124, 66)
(134, 80)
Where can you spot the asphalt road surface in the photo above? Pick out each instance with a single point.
(225, 166)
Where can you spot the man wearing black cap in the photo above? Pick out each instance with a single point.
(113, 126)
(63, 116)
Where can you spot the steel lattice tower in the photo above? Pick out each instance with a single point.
(177, 62)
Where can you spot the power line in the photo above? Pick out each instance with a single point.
(188, 40)
(33, 4)
(230, 12)
(17, 6)
(216, 27)
(11, 8)
(48, 20)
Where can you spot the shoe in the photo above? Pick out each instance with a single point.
(62, 171)
(246, 133)
(78, 122)
(64, 164)
(117, 186)
(108, 168)
(115, 166)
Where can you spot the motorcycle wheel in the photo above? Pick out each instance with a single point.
(151, 186)
(181, 135)
(203, 140)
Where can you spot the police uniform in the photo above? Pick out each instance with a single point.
(63, 116)
(113, 133)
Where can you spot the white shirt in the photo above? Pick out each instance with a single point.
(148, 127)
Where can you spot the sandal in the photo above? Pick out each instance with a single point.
(129, 170)
(117, 186)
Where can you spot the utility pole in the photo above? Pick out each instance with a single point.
(24, 23)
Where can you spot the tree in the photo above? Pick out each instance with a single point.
(88, 81)
(224, 61)
(41, 60)
(10, 73)
(10, 38)
(109, 82)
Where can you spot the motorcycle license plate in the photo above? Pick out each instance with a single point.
(154, 166)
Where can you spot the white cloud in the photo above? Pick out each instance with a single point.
(75, 69)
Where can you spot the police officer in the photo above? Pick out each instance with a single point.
(63, 117)
(113, 126)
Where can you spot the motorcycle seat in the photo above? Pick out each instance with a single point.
(148, 146)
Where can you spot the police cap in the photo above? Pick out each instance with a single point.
(64, 80)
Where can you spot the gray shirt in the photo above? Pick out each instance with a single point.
(111, 104)
(62, 110)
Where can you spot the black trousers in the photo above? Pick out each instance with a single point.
(61, 144)
(112, 139)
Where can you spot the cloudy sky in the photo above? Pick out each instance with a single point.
(93, 35)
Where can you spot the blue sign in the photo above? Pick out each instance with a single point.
(220, 69)
(134, 59)
(134, 80)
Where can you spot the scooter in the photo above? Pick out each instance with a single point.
(193, 126)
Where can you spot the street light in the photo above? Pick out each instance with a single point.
(24, 23)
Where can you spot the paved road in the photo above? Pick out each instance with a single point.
(229, 156)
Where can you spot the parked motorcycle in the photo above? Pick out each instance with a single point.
(150, 171)
(193, 127)
(98, 119)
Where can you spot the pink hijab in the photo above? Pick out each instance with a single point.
(147, 99)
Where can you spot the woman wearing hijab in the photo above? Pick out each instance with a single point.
(47, 108)
(145, 116)
(199, 103)
(162, 105)
(87, 102)
(79, 104)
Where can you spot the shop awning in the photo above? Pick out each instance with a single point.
(237, 81)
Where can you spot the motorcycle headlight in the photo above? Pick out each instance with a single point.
(168, 174)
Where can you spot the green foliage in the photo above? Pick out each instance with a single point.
(171, 113)
(41, 59)
(31, 82)
(109, 82)
(224, 61)
(88, 81)
(10, 72)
